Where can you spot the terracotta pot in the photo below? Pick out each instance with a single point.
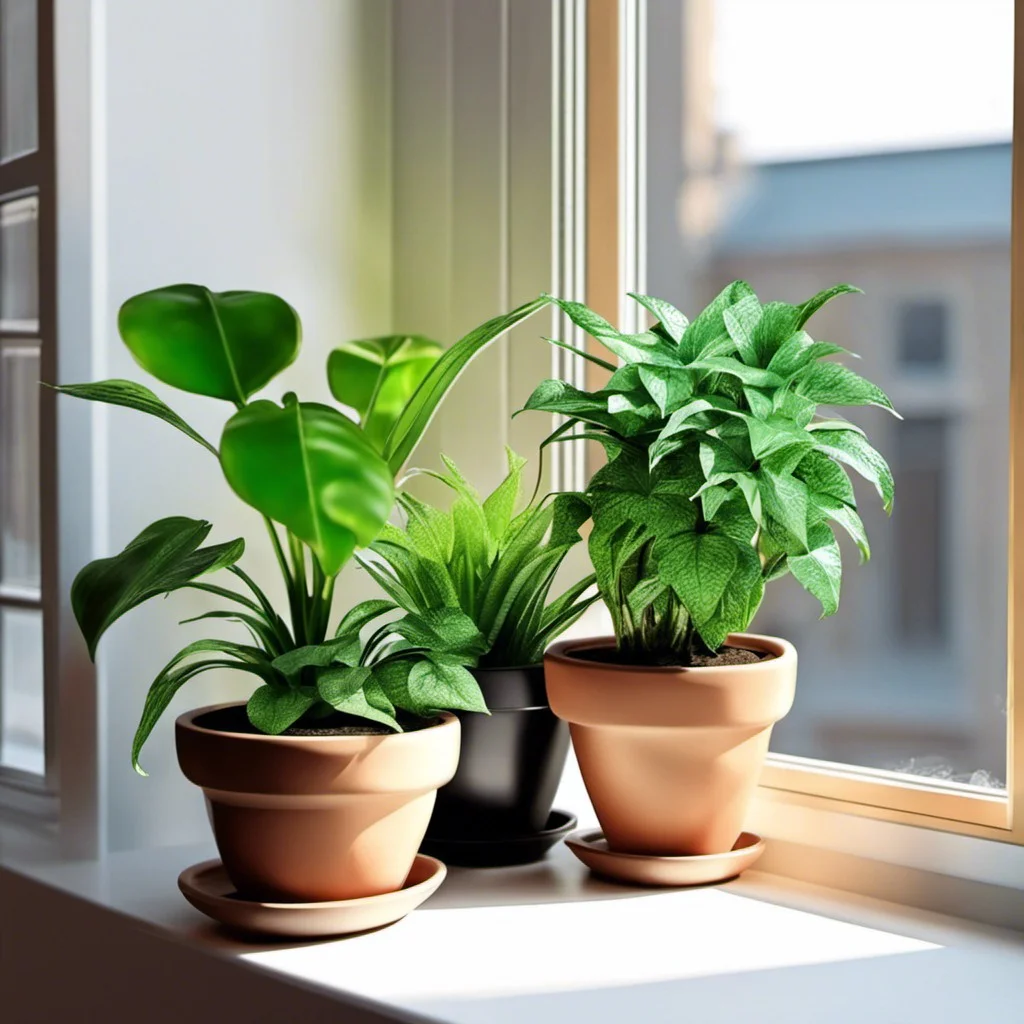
(317, 818)
(511, 761)
(671, 756)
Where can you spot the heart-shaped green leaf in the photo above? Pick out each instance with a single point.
(222, 344)
(165, 556)
(377, 377)
(311, 469)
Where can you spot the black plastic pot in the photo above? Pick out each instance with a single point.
(509, 768)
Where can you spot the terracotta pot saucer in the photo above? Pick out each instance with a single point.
(591, 847)
(493, 851)
(207, 887)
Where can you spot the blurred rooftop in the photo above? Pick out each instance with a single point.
(955, 195)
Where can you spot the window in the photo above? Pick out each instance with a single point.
(922, 342)
(920, 580)
(731, 167)
(26, 357)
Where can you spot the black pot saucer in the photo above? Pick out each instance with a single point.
(500, 851)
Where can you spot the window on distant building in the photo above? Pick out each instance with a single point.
(922, 341)
(920, 459)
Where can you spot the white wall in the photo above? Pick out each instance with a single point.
(238, 144)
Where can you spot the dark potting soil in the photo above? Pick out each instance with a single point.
(234, 719)
(726, 656)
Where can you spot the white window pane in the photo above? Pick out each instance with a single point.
(21, 690)
(19, 90)
(19, 264)
(19, 466)
(773, 157)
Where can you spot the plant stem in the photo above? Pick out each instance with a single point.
(300, 591)
(278, 551)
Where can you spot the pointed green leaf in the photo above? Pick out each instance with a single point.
(812, 305)
(785, 498)
(697, 566)
(132, 396)
(163, 557)
(824, 476)
(500, 504)
(221, 344)
(834, 384)
(741, 318)
(853, 449)
(828, 507)
(665, 313)
(669, 386)
(420, 409)
(820, 570)
(309, 468)
(779, 322)
(437, 685)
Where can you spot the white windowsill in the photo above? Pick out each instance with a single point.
(546, 942)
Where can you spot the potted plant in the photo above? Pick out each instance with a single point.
(321, 785)
(487, 573)
(722, 475)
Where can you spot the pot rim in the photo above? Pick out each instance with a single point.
(187, 721)
(507, 668)
(563, 650)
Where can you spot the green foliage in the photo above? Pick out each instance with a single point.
(164, 557)
(324, 485)
(377, 377)
(722, 473)
(415, 417)
(311, 469)
(477, 578)
(222, 344)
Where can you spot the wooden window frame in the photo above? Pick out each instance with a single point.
(35, 173)
(615, 43)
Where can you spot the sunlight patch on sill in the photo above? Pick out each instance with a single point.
(636, 938)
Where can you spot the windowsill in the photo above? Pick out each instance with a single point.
(548, 942)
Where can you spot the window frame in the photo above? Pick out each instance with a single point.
(616, 43)
(34, 173)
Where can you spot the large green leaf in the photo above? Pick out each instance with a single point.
(356, 693)
(272, 709)
(698, 567)
(163, 557)
(852, 448)
(311, 469)
(378, 376)
(436, 684)
(820, 570)
(222, 344)
(834, 384)
(669, 386)
(785, 499)
(132, 396)
(420, 409)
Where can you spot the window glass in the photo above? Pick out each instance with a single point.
(19, 98)
(21, 692)
(19, 264)
(922, 341)
(800, 143)
(19, 468)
